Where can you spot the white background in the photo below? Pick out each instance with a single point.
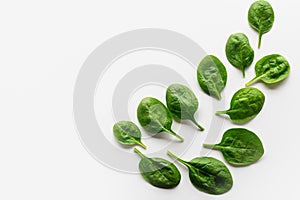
(43, 45)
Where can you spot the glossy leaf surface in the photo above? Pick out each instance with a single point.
(239, 52)
(271, 69)
(245, 104)
(239, 147)
(182, 103)
(212, 76)
(208, 174)
(128, 133)
(155, 117)
(158, 172)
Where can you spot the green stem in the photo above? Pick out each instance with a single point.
(196, 123)
(243, 70)
(141, 144)
(255, 79)
(178, 159)
(211, 146)
(139, 153)
(259, 38)
(174, 134)
(218, 95)
(221, 112)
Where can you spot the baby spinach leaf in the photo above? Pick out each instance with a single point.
(155, 117)
(239, 52)
(239, 147)
(212, 76)
(158, 172)
(208, 174)
(128, 133)
(245, 104)
(261, 18)
(182, 103)
(271, 69)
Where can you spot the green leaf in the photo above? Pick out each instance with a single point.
(182, 103)
(271, 69)
(261, 18)
(155, 118)
(239, 52)
(158, 172)
(208, 174)
(127, 133)
(245, 104)
(212, 76)
(239, 147)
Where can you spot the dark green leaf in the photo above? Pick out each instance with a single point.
(261, 17)
(155, 117)
(182, 103)
(158, 172)
(271, 69)
(127, 133)
(245, 104)
(212, 76)
(239, 52)
(208, 174)
(239, 146)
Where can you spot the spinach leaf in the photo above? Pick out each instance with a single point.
(261, 18)
(239, 147)
(128, 133)
(271, 69)
(212, 76)
(158, 172)
(208, 174)
(155, 117)
(239, 52)
(182, 103)
(245, 104)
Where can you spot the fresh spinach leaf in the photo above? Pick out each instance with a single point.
(239, 147)
(158, 172)
(239, 52)
(261, 18)
(128, 133)
(212, 76)
(271, 69)
(208, 174)
(182, 103)
(155, 117)
(245, 104)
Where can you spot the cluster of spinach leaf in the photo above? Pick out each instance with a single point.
(239, 146)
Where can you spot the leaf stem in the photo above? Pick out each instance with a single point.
(178, 159)
(196, 123)
(218, 95)
(174, 134)
(139, 153)
(142, 144)
(243, 70)
(211, 146)
(221, 112)
(255, 79)
(259, 38)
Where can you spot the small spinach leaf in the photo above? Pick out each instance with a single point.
(261, 18)
(158, 172)
(239, 52)
(271, 69)
(182, 103)
(155, 117)
(212, 76)
(128, 133)
(245, 104)
(239, 147)
(208, 174)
